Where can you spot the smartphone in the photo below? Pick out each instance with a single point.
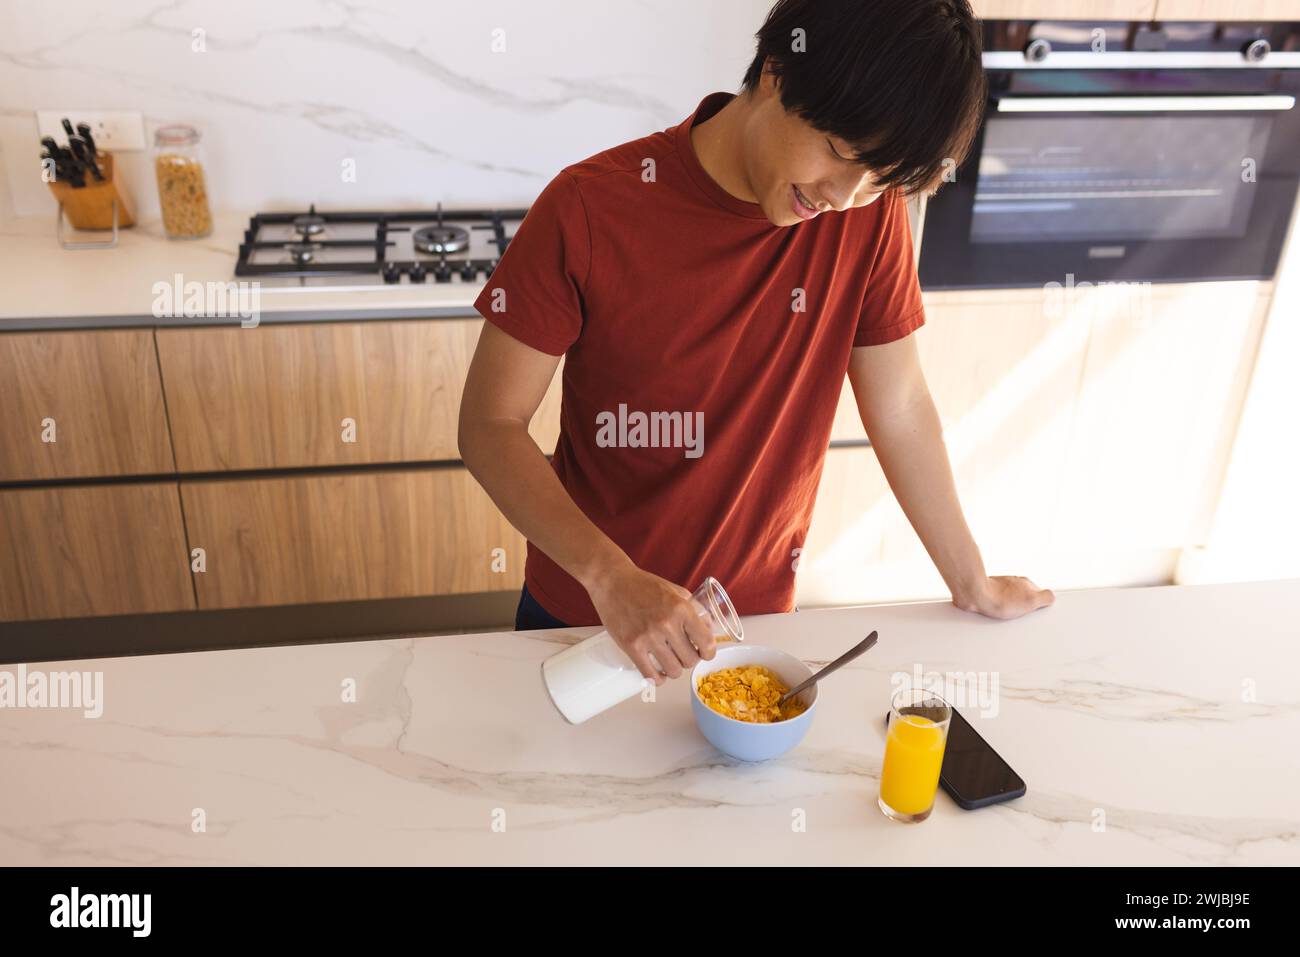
(973, 774)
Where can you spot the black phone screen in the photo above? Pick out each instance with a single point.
(973, 773)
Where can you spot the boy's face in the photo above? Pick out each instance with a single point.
(797, 172)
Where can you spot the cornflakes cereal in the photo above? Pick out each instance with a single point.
(749, 694)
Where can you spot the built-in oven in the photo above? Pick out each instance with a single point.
(1157, 152)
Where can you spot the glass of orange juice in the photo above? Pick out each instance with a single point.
(914, 743)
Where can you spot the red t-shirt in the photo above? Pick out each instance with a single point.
(668, 295)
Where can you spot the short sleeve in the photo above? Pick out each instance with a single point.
(535, 291)
(892, 306)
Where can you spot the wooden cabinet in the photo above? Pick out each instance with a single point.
(329, 393)
(1003, 369)
(347, 536)
(855, 509)
(73, 551)
(1088, 437)
(1075, 426)
(95, 394)
(1158, 405)
(1135, 9)
(1066, 9)
(1227, 10)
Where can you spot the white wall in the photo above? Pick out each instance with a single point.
(413, 92)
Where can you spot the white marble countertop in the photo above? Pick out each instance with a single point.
(1173, 711)
(48, 287)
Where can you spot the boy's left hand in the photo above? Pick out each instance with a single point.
(1006, 596)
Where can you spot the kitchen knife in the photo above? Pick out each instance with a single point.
(78, 159)
(84, 130)
(82, 152)
(73, 171)
(74, 174)
(69, 174)
(52, 151)
(65, 169)
(76, 171)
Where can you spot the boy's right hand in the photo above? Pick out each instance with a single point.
(648, 615)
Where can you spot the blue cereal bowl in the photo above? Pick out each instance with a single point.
(744, 739)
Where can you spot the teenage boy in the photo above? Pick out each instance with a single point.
(710, 286)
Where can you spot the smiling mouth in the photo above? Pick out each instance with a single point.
(802, 200)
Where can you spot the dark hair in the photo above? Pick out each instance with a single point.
(901, 80)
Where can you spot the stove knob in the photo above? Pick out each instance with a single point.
(1037, 50)
(391, 272)
(487, 270)
(442, 273)
(468, 272)
(1256, 50)
(417, 273)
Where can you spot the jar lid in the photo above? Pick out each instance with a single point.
(175, 134)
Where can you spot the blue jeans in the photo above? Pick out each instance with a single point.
(530, 616)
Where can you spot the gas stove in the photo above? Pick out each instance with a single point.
(375, 249)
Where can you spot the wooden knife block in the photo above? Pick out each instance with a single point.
(91, 207)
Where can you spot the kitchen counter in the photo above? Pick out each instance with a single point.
(55, 288)
(1171, 714)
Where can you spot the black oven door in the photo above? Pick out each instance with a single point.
(1150, 175)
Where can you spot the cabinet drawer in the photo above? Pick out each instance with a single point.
(348, 536)
(277, 396)
(96, 394)
(73, 551)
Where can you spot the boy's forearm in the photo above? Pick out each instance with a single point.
(506, 461)
(914, 458)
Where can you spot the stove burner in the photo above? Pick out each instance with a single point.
(375, 248)
(301, 253)
(309, 225)
(441, 239)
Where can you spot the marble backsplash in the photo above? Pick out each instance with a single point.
(365, 103)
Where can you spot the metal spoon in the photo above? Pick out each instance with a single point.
(842, 660)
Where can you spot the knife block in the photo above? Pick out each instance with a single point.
(91, 207)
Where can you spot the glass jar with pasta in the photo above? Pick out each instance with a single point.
(182, 187)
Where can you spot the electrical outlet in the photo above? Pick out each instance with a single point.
(112, 130)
